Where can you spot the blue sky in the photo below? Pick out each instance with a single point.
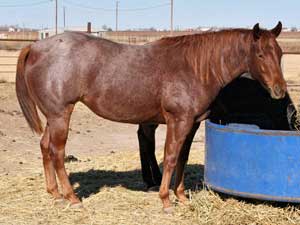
(187, 14)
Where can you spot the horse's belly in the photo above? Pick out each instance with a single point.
(121, 109)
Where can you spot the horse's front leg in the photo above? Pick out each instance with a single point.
(182, 160)
(178, 128)
(150, 170)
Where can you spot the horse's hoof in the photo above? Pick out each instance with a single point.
(59, 202)
(184, 203)
(77, 205)
(168, 210)
(153, 189)
(183, 200)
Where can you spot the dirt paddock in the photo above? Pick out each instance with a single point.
(107, 178)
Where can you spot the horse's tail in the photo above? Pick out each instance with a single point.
(26, 102)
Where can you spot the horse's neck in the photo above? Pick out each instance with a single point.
(234, 62)
(220, 59)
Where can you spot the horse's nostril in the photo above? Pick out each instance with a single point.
(277, 90)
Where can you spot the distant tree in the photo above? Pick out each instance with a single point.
(104, 27)
(294, 29)
(152, 29)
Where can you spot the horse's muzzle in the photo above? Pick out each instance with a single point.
(277, 92)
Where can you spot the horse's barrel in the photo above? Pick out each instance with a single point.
(246, 161)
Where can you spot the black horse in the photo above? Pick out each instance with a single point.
(242, 101)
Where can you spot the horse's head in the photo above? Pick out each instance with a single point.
(265, 60)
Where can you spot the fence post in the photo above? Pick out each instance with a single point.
(89, 27)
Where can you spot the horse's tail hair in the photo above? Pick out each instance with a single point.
(26, 102)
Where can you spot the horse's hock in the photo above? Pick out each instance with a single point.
(253, 155)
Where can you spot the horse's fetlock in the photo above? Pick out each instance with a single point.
(164, 194)
(52, 189)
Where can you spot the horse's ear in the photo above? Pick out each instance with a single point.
(277, 30)
(256, 32)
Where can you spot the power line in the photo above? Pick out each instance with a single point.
(78, 5)
(25, 4)
(146, 8)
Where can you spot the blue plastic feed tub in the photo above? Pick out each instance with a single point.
(246, 161)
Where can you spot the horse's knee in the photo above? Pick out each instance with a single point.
(171, 161)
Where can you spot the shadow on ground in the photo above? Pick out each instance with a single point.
(90, 182)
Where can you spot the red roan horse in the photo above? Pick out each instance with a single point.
(171, 81)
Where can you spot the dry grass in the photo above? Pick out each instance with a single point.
(112, 193)
(289, 45)
(208, 207)
(297, 120)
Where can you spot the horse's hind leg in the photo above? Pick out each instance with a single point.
(182, 160)
(51, 183)
(150, 170)
(58, 128)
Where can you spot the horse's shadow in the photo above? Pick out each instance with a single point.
(92, 181)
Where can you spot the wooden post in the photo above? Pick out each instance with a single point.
(89, 27)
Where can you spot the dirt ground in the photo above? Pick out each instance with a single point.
(108, 179)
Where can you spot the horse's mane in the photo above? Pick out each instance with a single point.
(184, 39)
(200, 48)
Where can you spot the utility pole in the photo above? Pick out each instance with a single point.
(64, 17)
(117, 14)
(55, 16)
(23, 30)
(172, 9)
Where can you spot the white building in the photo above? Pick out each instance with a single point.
(50, 32)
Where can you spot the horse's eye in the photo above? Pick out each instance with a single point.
(260, 56)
